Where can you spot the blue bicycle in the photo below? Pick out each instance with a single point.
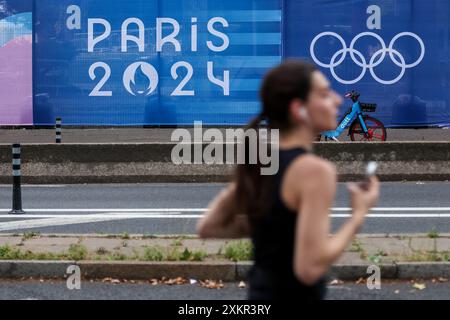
(362, 126)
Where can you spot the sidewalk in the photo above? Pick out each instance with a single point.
(136, 257)
(123, 135)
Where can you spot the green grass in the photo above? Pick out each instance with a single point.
(30, 235)
(77, 252)
(125, 236)
(172, 254)
(376, 259)
(177, 243)
(149, 236)
(433, 234)
(356, 246)
(198, 255)
(429, 256)
(153, 254)
(9, 253)
(176, 254)
(239, 251)
(45, 256)
(234, 251)
(116, 256)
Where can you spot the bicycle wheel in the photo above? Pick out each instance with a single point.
(376, 130)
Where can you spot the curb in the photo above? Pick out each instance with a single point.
(156, 270)
(357, 271)
(427, 270)
(195, 236)
(35, 269)
(226, 271)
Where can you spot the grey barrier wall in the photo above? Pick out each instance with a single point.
(151, 162)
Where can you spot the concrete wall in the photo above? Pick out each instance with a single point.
(151, 162)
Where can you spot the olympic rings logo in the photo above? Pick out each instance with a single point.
(376, 59)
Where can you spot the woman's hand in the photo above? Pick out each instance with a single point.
(364, 197)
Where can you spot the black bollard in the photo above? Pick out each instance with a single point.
(17, 192)
(58, 129)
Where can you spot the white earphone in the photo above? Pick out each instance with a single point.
(304, 113)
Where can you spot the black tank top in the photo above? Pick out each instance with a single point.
(272, 277)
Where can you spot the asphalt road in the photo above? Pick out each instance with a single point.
(175, 208)
(57, 290)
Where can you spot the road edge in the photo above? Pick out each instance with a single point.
(225, 271)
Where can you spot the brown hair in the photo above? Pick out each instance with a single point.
(288, 81)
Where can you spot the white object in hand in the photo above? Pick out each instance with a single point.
(371, 168)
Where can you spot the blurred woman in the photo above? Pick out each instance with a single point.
(287, 215)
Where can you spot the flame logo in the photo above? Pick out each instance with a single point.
(146, 70)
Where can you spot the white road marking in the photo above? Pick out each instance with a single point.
(8, 186)
(408, 209)
(51, 222)
(397, 215)
(337, 209)
(60, 217)
(112, 210)
(118, 216)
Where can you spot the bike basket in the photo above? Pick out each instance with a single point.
(368, 107)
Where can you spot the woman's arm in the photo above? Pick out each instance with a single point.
(315, 250)
(221, 220)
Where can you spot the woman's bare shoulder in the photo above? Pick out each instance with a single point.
(308, 173)
(312, 165)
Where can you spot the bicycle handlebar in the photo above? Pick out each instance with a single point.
(353, 95)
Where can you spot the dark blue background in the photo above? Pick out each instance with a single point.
(62, 84)
(422, 97)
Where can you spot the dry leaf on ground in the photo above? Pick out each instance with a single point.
(176, 281)
(419, 286)
(111, 280)
(336, 282)
(169, 282)
(211, 284)
(361, 280)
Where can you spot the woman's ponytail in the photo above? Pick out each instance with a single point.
(290, 80)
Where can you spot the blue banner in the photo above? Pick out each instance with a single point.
(173, 62)
(141, 62)
(396, 53)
